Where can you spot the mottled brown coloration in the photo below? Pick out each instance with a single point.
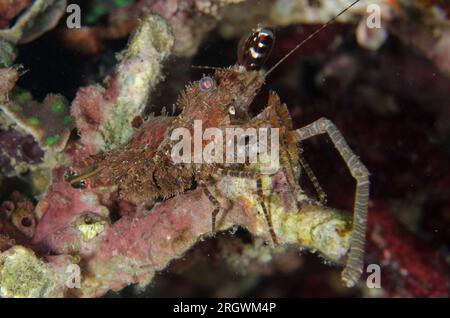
(144, 173)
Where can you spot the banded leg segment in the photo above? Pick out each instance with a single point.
(312, 177)
(266, 212)
(280, 118)
(216, 205)
(355, 262)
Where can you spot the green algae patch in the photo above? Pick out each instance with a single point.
(23, 275)
(49, 121)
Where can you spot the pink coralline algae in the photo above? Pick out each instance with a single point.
(18, 152)
(59, 239)
(141, 242)
(11, 234)
(104, 116)
(19, 210)
(130, 247)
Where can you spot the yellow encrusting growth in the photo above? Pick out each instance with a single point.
(91, 231)
(315, 227)
(319, 229)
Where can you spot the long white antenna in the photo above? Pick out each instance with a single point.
(205, 67)
(312, 35)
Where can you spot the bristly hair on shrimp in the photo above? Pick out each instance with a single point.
(144, 175)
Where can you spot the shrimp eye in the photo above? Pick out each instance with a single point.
(255, 49)
(232, 110)
(207, 83)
